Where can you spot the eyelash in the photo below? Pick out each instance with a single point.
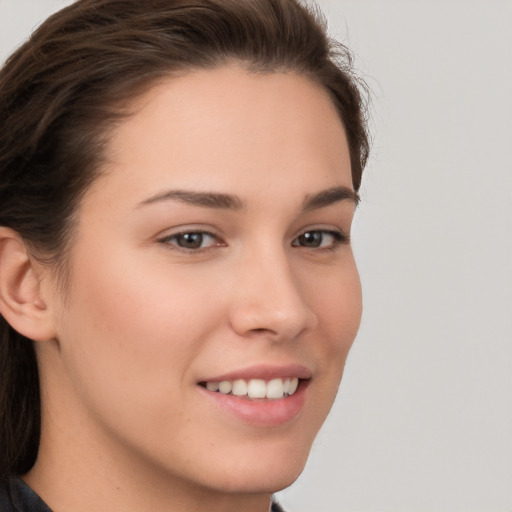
(175, 236)
(338, 238)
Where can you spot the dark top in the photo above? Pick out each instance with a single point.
(17, 496)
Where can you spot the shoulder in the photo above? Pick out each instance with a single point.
(5, 497)
(276, 507)
(17, 496)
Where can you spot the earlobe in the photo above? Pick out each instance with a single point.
(21, 301)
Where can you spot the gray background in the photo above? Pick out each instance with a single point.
(424, 417)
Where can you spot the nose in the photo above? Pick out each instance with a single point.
(269, 300)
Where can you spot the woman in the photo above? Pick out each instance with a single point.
(177, 288)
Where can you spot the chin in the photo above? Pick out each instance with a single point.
(267, 475)
(261, 483)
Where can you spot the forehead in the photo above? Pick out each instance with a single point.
(228, 128)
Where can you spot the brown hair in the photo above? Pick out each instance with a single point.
(65, 87)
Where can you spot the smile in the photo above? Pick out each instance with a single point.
(274, 389)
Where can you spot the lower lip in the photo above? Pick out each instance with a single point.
(261, 412)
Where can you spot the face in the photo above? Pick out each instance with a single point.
(211, 274)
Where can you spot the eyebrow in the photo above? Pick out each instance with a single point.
(204, 199)
(330, 196)
(222, 201)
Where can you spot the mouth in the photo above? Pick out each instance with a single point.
(260, 395)
(255, 389)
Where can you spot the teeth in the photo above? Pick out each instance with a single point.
(256, 388)
(275, 388)
(293, 386)
(225, 387)
(212, 386)
(239, 387)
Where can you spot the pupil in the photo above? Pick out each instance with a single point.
(190, 240)
(311, 239)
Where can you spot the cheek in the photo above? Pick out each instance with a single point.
(344, 309)
(131, 331)
(340, 309)
(131, 300)
(338, 306)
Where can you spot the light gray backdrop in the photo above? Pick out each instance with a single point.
(423, 422)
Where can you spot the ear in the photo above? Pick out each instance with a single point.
(21, 301)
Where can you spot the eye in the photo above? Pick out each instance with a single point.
(192, 240)
(320, 239)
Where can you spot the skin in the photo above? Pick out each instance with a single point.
(125, 424)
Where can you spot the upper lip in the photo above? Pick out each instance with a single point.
(265, 372)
